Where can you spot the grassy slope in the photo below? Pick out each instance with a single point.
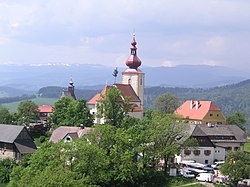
(39, 101)
(247, 146)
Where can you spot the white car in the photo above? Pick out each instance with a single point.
(205, 177)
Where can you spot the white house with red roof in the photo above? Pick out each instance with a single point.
(201, 112)
(132, 86)
(44, 112)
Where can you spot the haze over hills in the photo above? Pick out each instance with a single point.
(33, 77)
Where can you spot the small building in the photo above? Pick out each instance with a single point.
(44, 112)
(68, 133)
(201, 112)
(15, 141)
(214, 142)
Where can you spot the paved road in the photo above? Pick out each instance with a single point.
(204, 183)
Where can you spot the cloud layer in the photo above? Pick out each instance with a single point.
(168, 32)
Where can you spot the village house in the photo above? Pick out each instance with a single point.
(44, 112)
(132, 86)
(15, 141)
(214, 142)
(68, 133)
(201, 112)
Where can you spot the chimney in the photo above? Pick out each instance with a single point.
(196, 105)
(82, 126)
(191, 104)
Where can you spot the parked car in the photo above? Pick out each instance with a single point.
(185, 172)
(217, 164)
(221, 179)
(205, 177)
(244, 183)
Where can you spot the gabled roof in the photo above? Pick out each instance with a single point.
(25, 146)
(219, 131)
(196, 109)
(45, 108)
(94, 99)
(126, 91)
(9, 133)
(62, 131)
(225, 130)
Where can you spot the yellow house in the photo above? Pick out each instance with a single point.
(201, 112)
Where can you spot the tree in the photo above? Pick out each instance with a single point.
(27, 111)
(166, 138)
(5, 116)
(237, 166)
(238, 118)
(113, 107)
(74, 163)
(158, 138)
(6, 166)
(71, 112)
(166, 103)
(115, 73)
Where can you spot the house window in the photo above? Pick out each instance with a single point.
(211, 114)
(207, 152)
(236, 148)
(187, 152)
(140, 81)
(228, 148)
(197, 152)
(218, 115)
(206, 161)
(129, 81)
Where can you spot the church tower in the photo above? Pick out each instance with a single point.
(133, 75)
(71, 91)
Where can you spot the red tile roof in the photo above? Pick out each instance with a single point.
(94, 99)
(45, 108)
(126, 91)
(196, 109)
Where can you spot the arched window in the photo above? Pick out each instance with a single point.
(197, 152)
(129, 81)
(207, 152)
(187, 152)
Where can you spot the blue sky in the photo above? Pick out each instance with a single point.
(168, 32)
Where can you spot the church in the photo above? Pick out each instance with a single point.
(132, 86)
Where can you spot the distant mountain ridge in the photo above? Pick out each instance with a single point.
(33, 77)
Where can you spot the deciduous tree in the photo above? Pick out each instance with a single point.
(166, 103)
(237, 166)
(27, 111)
(5, 116)
(238, 118)
(113, 107)
(71, 112)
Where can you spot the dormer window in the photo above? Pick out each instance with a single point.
(68, 139)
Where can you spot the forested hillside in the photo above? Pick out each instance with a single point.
(56, 92)
(230, 98)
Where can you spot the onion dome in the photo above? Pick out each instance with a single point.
(133, 60)
(71, 83)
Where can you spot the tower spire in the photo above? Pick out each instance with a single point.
(133, 61)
